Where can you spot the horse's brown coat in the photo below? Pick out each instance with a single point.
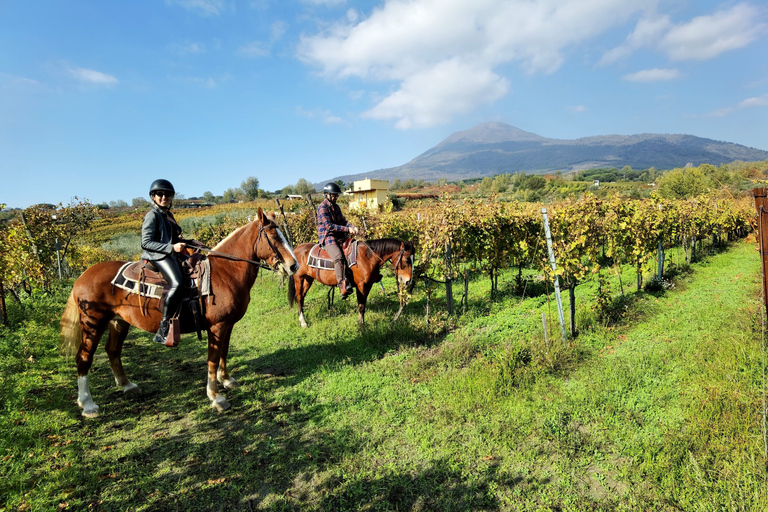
(371, 256)
(95, 306)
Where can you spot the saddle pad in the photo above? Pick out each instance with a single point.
(318, 257)
(128, 278)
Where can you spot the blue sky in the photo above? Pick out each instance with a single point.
(99, 98)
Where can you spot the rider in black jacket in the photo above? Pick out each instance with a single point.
(160, 239)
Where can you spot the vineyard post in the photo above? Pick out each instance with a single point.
(3, 312)
(465, 299)
(761, 203)
(557, 279)
(661, 260)
(58, 256)
(448, 282)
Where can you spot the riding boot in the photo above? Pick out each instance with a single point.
(345, 287)
(162, 332)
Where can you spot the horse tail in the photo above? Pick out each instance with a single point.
(71, 332)
(291, 291)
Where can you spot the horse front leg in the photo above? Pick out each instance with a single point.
(118, 331)
(218, 339)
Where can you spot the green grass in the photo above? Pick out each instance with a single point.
(660, 411)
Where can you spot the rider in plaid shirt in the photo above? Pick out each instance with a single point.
(332, 229)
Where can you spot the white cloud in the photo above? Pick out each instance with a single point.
(720, 112)
(277, 30)
(652, 75)
(203, 7)
(706, 37)
(759, 101)
(15, 80)
(254, 49)
(443, 54)
(702, 38)
(647, 31)
(205, 82)
(327, 3)
(324, 115)
(261, 48)
(432, 97)
(576, 109)
(93, 77)
(187, 48)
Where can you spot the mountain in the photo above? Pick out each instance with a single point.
(494, 148)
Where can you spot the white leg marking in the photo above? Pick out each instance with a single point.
(302, 320)
(84, 398)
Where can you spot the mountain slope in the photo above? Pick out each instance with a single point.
(493, 148)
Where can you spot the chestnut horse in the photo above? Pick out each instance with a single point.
(95, 306)
(371, 256)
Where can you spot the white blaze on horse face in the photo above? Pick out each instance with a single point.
(286, 245)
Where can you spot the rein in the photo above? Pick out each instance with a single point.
(259, 263)
(234, 258)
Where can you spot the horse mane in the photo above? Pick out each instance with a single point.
(386, 245)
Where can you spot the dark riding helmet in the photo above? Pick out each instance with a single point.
(163, 185)
(332, 188)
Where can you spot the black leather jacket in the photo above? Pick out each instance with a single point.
(159, 232)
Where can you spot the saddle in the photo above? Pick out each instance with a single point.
(318, 256)
(143, 279)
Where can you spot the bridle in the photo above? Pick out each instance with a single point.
(269, 242)
(396, 263)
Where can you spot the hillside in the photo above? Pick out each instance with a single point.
(494, 148)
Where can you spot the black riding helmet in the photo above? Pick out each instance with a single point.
(332, 188)
(161, 185)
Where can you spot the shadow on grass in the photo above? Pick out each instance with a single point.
(167, 450)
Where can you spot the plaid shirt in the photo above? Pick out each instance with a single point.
(331, 224)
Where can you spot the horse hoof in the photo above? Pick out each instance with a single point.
(92, 412)
(131, 390)
(220, 404)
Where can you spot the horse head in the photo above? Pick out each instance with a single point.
(403, 264)
(273, 248)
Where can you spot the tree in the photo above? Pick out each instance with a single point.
(683, 183)
(229, 195)
(208, 196)
(118, 204)
(139, 202)
(250, 188)
(303, 187)
(486, 185)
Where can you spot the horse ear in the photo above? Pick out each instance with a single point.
(260, 215)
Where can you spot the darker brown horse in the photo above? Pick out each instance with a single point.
(95, 306)
(371, 256)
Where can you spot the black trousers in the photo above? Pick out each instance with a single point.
(169, 267)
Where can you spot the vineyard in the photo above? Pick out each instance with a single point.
(653, 403)
(454, 238)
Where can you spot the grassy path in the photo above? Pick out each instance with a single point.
(659, 413)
